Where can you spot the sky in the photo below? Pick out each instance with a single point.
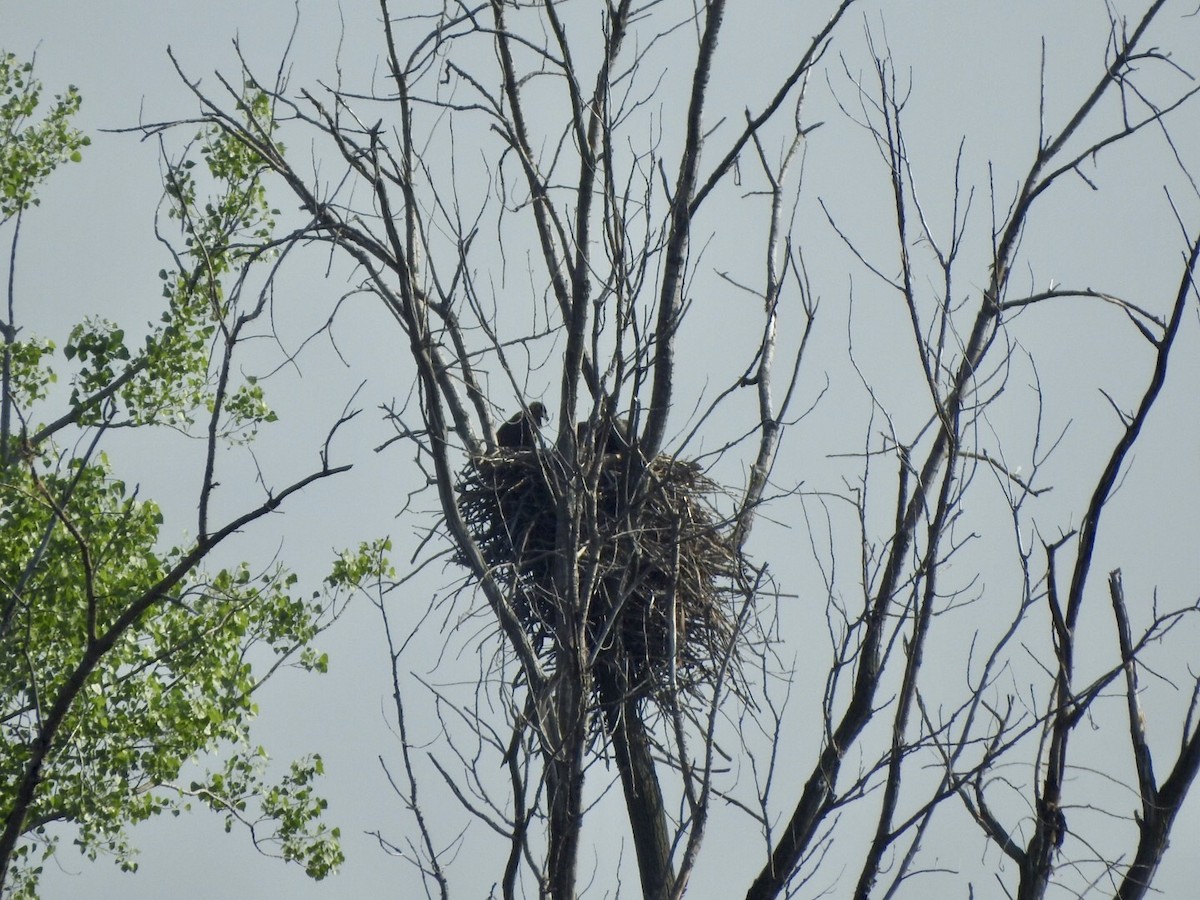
(974, 70)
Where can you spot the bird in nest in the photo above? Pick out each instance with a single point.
(520, 432)
(617, 435)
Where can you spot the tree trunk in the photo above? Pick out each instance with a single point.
(639, 780)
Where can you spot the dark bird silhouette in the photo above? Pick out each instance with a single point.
(618, 435)
(520, 432)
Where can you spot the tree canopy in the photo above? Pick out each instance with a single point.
(126, 659)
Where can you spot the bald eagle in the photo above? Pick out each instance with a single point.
(520, 432)
(618, 435)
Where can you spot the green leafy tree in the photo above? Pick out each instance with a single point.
(124, 660)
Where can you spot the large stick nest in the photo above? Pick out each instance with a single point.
(656, 569)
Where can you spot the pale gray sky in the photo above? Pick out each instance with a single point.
(974, 69)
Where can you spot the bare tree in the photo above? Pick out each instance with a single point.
(514, 149)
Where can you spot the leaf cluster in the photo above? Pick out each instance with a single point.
(31, 150)
(178, 685)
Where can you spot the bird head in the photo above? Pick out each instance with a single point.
(537, 412)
